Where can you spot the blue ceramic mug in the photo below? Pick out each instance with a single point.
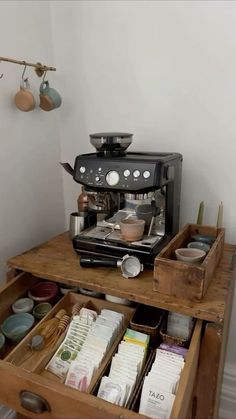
(49, 98)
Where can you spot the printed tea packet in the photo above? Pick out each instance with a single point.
(161, 383)
(126, 366)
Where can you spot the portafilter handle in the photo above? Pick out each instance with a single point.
(89, 262)
(130, 265)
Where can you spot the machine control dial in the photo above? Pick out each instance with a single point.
(112, 178)
(82, 169)
(146, 174)
(136, 173)
(126, 172)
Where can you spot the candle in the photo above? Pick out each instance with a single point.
(200, 213)
(220, 216)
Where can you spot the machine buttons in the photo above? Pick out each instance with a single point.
(136, 173)
(146, 174)
(97, 178)
(112, 178)
(126, 173)
(82, 169)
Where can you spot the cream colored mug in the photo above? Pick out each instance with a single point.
(25, 98)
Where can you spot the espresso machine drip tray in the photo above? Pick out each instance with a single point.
(101, 233)
(105, 239)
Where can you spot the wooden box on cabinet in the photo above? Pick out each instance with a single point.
(185, 280)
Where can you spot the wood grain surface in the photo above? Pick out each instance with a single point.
(56, 260)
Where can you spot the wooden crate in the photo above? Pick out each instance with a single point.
(185, 280)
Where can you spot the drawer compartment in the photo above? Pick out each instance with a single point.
(186, 384)
(36, 361)
(29, 372)
(183, 397)
(62, 401)
(17, 288)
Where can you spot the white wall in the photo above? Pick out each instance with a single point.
(31, 195)
(165, 71)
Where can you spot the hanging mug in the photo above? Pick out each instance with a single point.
(49, 97)
(25, 98)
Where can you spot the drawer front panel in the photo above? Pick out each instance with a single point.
(63, 401)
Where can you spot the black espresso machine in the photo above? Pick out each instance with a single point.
(117, 183)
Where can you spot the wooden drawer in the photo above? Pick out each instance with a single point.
(65, 402)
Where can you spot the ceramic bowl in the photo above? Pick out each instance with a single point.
(117, 300)
(40, 310)
(199, 245)
(23, 305)
(203, 238)
(190, 255)
(44, 292)
(16, 326)
(90, 293)
(64, 288)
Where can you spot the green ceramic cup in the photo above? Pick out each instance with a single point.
(40, 310)
(49, 98)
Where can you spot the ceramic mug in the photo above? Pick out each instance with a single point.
(49, 97)
(25, 98)
(132, 229)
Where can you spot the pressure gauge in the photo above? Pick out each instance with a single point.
(112, 178)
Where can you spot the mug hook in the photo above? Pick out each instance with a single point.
(23, 72)
(44, 75)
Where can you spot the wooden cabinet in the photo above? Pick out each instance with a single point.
(55, 260)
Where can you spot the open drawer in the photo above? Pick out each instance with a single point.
(28, 384)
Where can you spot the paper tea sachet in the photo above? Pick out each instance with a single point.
(73, 342)
(104, 330)
(126, 366)
(161, 383)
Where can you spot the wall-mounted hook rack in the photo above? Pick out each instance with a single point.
(39, 68)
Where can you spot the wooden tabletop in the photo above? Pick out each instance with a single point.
(56, 260)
